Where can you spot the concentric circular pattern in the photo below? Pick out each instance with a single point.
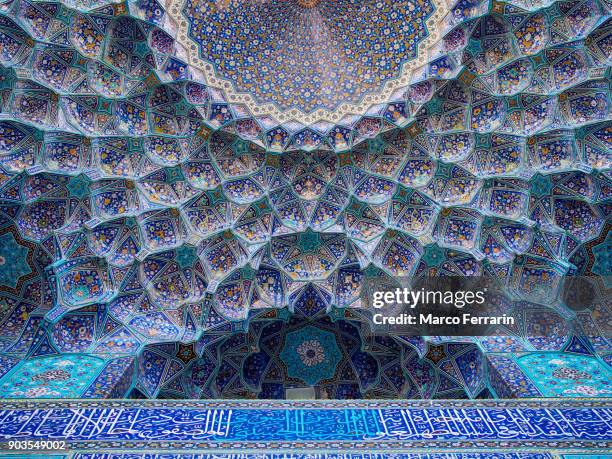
(153, 227)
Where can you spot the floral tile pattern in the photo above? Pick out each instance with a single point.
(51, 377)
(567, 375)
(311, 354)
(193, 194)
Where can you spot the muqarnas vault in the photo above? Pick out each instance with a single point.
(193, 194)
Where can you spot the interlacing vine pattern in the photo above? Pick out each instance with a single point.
(181, 220)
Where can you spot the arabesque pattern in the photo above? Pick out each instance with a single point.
(148, 221)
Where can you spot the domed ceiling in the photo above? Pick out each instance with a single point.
(166, 238)
(307, 60)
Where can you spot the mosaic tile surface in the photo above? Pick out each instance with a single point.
(258, 455)
(181, 238)
(567, 374)
(311, 55)
(261, 455)
(488, 426)
(55, 376)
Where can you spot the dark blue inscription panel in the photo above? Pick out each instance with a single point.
(298, 455)
(493, 424)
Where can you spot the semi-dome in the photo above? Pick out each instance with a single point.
(162, 238)
(308, 61)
